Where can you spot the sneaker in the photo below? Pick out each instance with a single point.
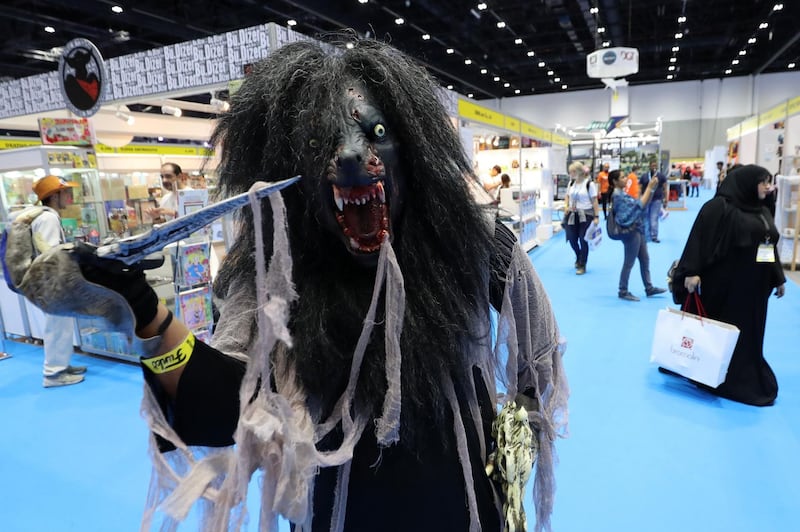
(656, 241)
(654, 291)
(61, 379)
(580, 270)
(627, 296)
(75, 370)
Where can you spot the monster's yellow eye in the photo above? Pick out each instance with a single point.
(379, 130)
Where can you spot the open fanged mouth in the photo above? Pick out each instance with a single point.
(363, 215)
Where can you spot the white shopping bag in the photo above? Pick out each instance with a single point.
(697, 348)
(594, 235)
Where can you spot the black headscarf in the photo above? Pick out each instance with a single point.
(740, 187)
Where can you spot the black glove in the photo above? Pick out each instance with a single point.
(128, 281)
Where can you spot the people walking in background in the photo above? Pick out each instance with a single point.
(694, 183)
(55, 194)
(632, 183)
(731, 260)
(630, 212)
(720, 173)
(580, 210)
(657, 201)
(605, 190)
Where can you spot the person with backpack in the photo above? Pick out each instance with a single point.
(46, 231)
(580, 210)
(629, 214)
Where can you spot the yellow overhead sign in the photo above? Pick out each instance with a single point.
(776, 114)
(512, 124)
(153, 149)
(560, 140)
(478, 113)
(13, 144)
(793, 107)
(535, 132)
(750, 125)
(734, 132)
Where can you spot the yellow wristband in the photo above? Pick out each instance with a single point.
(172, 359)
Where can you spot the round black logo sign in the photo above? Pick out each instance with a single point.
(609, 57)
(83, 77)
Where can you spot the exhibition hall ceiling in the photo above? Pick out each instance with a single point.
(490, 49)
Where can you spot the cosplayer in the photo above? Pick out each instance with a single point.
(354, 361)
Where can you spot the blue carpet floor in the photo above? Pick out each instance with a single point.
(646, 452)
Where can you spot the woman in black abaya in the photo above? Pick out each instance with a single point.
(731, 260)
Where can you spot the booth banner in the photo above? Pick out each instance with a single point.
(137, 74)
(66, 131)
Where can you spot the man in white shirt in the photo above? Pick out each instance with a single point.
(168, 205)
(55, 194)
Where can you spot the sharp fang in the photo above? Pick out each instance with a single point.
(337, 197)
(381, 192)
(354, 243)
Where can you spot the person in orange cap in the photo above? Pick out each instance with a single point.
(55, 194)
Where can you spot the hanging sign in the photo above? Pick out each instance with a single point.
(83, 77)
(612, 62)
(65, 131)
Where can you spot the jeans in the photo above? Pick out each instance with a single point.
(635, 247)
(575, 236)
(652, 213)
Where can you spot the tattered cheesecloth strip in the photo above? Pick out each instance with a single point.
(276, 432)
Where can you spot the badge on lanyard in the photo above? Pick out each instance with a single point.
(766, 253)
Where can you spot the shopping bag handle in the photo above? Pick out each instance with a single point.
(698, 304)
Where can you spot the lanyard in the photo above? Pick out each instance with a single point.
(766, 228)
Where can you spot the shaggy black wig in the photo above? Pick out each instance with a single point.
(281, 124)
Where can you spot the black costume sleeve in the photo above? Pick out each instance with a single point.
(504, 242)
(206, 408)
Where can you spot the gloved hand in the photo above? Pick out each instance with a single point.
(128, 281)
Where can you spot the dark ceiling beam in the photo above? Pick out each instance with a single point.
(40, 20)
(777, 54)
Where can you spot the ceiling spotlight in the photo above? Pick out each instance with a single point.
(679, 35)
(426, 37)
(467, 61)
(541, 64)
(601, 29)
(606, 44)
(470, 95)
(291, 22)
(116, 9)
(349, 46)
(728, 71)
(681, 19)
(751, 40)
(673, 59)
(531, 53)
(449, 87)
(517, 41)
(777, 7)
(791, 65)
(160, 139)
(763, 26)
(670, 76)
(484, 71)
(742, 52)
(735, 62)
(170, 110)
(671, 68)
(450, 51)
(49, 29)
(564, 86)
(220, 105)
(550, 72)
(482, 6)
(676, 48)
(556, 79)
(399, 21)
(497, 78)
(363, 1)
(506, 84)
(501, 24)
(125, 117)
(517, 91)
(594, 11)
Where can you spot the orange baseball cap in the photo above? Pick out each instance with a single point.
(49, 185)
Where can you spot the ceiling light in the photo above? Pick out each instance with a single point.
(676, 48)
(399, 21)
(501, 24)
(550, 72)
(49, 29)
(220, 105)
(777, 7)
(170, 110)
(426, 36)
(349, 46)
(482, 6)
(531, 53)
(606, 44)
(601, 29)
(791, 65)
(681, 19)
(594, 11)
(517, 41)
(470, 95)
(450, 51)
(291, 22)
(556, 79)
(751, 40)
(672, 59)
(125, 117)
(671, 68)
(450, 87)
(517, 91)
(742, 52)
(564, 86)
(363, 1)
(735, 62)
(506, 84)
(679, 35)
(541, 64)
(116, 9)
(484, 71)
(763, 26)
(728, 71)
(160, 139)
(497, 78)
(467, 61)
(670, 76)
